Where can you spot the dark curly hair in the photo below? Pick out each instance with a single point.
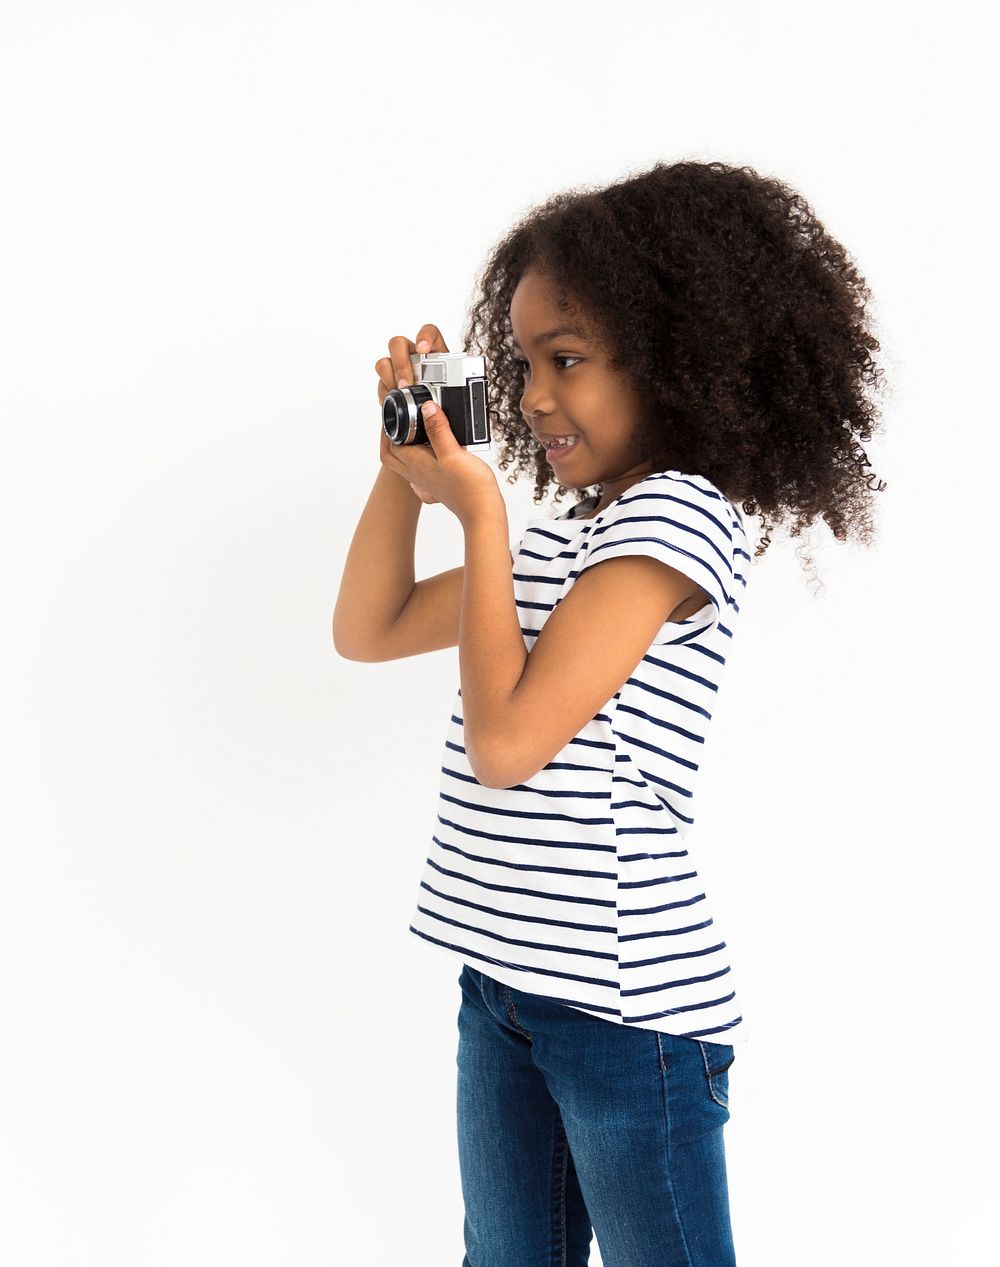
(729, 306)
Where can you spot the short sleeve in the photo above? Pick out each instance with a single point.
(682, 520)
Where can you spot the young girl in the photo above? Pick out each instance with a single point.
(691, 344)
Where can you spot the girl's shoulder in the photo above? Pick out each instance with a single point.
(699, 490)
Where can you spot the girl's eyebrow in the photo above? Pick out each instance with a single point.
(548, 335)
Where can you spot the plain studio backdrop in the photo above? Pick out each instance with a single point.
(220, 1042)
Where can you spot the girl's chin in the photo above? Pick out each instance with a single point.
(569, 474)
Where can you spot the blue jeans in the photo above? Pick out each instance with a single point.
(569, 1124)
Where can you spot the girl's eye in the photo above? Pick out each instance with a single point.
(523, 365)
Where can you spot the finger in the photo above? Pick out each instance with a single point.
(389, 455)
(400, 350)
(432, 336)
(386, 377)
(438, 429)
(387, 371)
(395, 370)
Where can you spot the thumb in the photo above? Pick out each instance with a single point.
(437, 426)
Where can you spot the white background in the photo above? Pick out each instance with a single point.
(220, 1042)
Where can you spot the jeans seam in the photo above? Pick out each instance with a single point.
(561, 1190)
(664, 1063)
(512, 1012)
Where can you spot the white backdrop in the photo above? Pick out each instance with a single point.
(220, 1042)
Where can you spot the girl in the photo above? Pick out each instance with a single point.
(683, 348)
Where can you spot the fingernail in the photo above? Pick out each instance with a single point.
(428, 408)
(423, 345)
(402, 382)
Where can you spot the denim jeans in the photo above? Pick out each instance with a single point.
(570, 1125)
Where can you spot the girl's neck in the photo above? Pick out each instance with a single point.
(613, 489)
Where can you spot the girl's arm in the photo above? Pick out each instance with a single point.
(379, 571)
(520, 710)
(380, 613)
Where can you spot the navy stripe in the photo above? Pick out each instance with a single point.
(507, 888)
(526, 866)
(608, 929)
(518, 941)
(522, 840)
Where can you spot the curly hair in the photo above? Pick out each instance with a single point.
(726, 302)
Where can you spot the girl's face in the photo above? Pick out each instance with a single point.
(570, 391)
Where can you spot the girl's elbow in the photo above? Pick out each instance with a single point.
(487, 774)
(490, 764)
(502, 769)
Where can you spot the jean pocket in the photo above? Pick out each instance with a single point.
(717, 1058)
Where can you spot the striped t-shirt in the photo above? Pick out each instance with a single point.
(578, 884)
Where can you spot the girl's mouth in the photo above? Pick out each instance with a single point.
(553, 452)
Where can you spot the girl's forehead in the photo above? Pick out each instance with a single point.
(535, 294)
(543, 314)
(543, 323)
(562, 330)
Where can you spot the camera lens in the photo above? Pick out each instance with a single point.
(401, 414)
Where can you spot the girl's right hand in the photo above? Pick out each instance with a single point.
(394, 371)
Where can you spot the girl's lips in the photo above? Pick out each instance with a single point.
(557, 454)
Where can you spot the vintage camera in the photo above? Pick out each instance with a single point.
(456, 382)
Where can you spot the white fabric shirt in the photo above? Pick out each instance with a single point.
(579, 884)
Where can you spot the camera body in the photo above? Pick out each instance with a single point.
(456, 382)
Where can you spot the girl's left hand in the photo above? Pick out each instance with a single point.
(445, 471)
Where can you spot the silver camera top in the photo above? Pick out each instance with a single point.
(446, 369)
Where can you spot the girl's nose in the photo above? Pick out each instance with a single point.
(535, 404)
